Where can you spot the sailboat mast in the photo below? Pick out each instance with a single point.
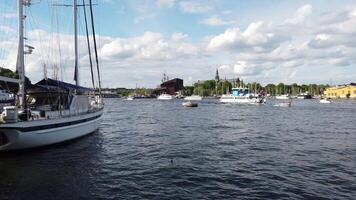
(20, 65)
(75, 16)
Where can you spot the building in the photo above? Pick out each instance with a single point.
(170, 87)
(343, 91)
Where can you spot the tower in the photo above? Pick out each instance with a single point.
(217, 78)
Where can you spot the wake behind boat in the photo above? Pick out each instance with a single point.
(50, 111)
(241, 95)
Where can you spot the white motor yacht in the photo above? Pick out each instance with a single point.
(241, 95)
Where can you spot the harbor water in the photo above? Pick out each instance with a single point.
(150, 149)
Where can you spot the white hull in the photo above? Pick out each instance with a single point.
(287, 104)
(193, 98)
(241, 100)
(282, 97)
(165, 97)
(324, 101)
(24, 135)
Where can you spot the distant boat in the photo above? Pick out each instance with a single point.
(130, 98)
(165, 97)
(193, 98)
(324, 101)
(241, 95)
(283, 97)
(304, 96)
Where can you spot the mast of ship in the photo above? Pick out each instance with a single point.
(20, 63)
(75, 16)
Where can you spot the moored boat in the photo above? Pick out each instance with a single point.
(283, 97)
(165, 97)
(323, 100)
(193, 98)
(130, 98)
(242, 95)
(304, 96)
(50, 111)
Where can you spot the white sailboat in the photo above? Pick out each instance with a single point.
(70, 112)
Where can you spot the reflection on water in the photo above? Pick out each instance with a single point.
(152, 149)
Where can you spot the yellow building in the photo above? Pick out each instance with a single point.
(343, 91)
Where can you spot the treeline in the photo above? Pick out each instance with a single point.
(213, 87)
(124, 92)
(8, 73)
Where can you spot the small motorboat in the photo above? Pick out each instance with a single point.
(165, 97)
(324, 101)
(283, 97)
(189, 104)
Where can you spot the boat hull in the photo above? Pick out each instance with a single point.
(193, 98)
(32, 135)
(282, 97)
(241, 100)
(165, 97)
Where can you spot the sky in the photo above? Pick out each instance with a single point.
(294, 41)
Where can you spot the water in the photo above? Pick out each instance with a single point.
(149, 149)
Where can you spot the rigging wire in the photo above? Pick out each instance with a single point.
(95, 46)
(88, 42)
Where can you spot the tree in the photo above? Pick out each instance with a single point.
(280, 89)
(271, 89)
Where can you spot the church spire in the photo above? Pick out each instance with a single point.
(217, 78)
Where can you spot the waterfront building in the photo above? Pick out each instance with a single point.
(170, 87)
(342, 91)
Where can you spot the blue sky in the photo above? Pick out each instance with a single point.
(258, 40)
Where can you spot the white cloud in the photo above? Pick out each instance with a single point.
(305, 41)
(301, 15)
(195, 6)
(165, 3)
(151, 46)
(257, 36)
(179, 36)
(308, 46)
(216, 21)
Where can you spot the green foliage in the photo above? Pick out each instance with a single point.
(207, 88)
(8, 73)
